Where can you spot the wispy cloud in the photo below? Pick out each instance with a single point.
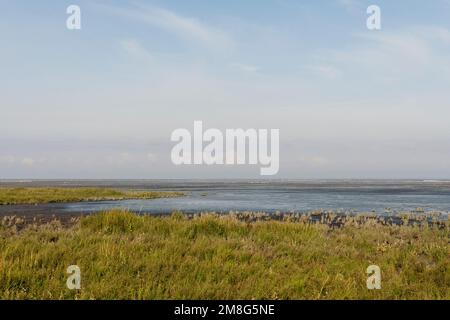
(350, 5)
(437, 33)
(134, 48)
(408, 53)
(245, 67)
(7, 159)
(28, 161)
(187, 28)
(325, 71)
(25, 161)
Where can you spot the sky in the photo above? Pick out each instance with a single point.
(102, 102)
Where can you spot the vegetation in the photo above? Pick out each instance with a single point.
(10, 196)
(123, 255)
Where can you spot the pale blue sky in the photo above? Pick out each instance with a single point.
(102, 102)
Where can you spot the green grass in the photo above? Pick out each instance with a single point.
(13, 196)
(126, 256)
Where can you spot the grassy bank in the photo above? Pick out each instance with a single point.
(12, 196)
(122, 255)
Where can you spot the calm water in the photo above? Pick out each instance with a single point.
(383, 197)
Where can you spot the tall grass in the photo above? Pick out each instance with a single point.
(127, 256)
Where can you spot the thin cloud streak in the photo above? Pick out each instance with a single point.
(186, 28)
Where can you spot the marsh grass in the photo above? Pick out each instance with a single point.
(12, 196)
(127, 256)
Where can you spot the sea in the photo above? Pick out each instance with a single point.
(381, 197)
